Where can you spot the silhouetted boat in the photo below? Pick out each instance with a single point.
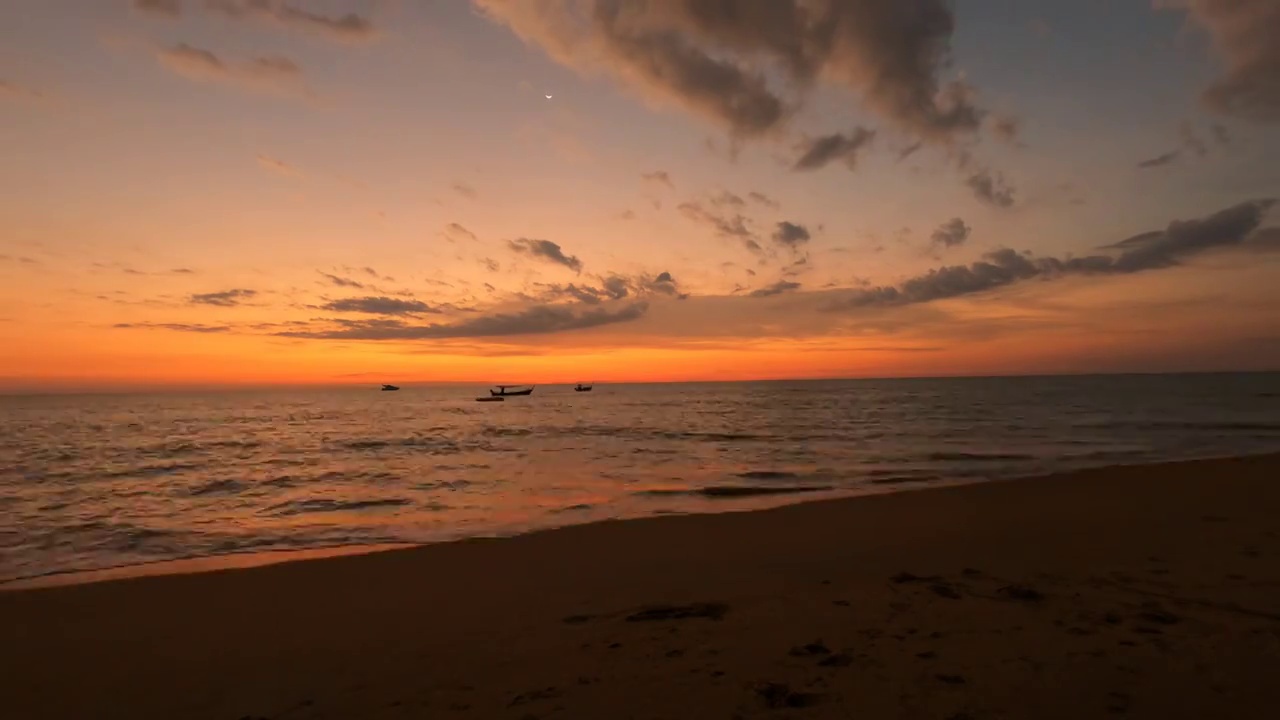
(492, 398)
(389, 388)
(503, 391)
(582, 388)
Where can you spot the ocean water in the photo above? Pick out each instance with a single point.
(100, 481)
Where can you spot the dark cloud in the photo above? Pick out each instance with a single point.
(1148, 251)
(730, 225)
(1160, 160)
(1007, 128)
(344, 28)
(658, 177)
(161, 8)
(991, 188)
(951, 233)
(712, 57)
(537, 320)
(627, 215)
(909, 150)
(338, 281)
(614, 287)
(176, 327)
(182, 271)
(490, 264)
(20, 259)
(778, 288)
(815, 153)
(465, 190)
(765, 200)
(1244, 32)
(226, 298)
(272, 73)
(454, 231)
(374, 305)
(1191, 143)
(724, 199)
(545, 250)
(790, 235)
(1191, 140)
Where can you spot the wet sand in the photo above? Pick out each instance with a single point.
(1142, 592)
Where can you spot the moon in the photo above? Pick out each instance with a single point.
(548, 97)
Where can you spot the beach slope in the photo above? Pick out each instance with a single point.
(1140, 592)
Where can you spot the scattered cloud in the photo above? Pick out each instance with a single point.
(1220, 134)
(537, 320)
(627, 215)
(710, 58)
(991, 188)
(454, 231)
(378, 306)
(815, 153)
(19, 93)
(1160, 160)
(791, 235)
(339, 281)
(267, 73)
(183, 271)
(491, 265)
(349, 28)
(176, 327)
(1007, 128)
(952, 233)
(226, 298)
(1244, 32)
(465, 190)
(762, 199)
(732, 225)
(159, 8)
(277, 166)
(545, 250)
(1148, 251)
(20, 259)
(658, 177)
(778, 288)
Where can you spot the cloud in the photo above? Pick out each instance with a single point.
(378, 306)
(791, 235)
(815, 153)
(226, 298)
(778, 288)
(951, 233)
(730, 225)
(343, 28)
(490, 264)
(183, 271)
(18, 93)
(765, 200)
(711, 59)
(724, 198)
(615, 287)
(342, 281)
(267, 73)
(176, 327)
(465, 191)
(991, 188)
(454, 231)
(279, 167)
(1244, 32)
(1006, 128)
(658, 177)
(545, 250)
(537, 320)
(1148, 251)
(1160, 160)
(159, 8)
(1220, 134)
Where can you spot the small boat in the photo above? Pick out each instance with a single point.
(505, 391)
(389, 388)
(582, 388)
(491, 398)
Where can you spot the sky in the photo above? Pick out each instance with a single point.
(247, 192)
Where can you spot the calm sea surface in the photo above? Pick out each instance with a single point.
(91, 482)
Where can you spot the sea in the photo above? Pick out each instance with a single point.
(89, 482)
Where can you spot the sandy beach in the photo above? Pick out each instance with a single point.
(1139, 592)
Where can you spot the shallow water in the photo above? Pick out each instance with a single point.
(107, 480)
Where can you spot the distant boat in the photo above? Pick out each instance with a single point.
(491, 398)
(582, 388)
(389, 388)
(505, 391)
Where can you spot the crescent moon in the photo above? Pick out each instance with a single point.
(548, 97)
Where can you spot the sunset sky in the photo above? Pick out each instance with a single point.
(206, 192)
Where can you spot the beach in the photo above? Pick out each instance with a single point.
(1140, 592)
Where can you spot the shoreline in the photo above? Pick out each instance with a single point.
(1148, 591)
(256, 558)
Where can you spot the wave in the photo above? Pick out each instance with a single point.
(976, 457)
(437, 445)
(767, 475)
(735, 491)
(153, 470)
(323, 505)
(225, 486)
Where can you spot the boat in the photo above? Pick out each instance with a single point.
(491, 398)
(582, 388)
(389, 388)
(505, 391)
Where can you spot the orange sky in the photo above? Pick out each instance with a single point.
(200, 197)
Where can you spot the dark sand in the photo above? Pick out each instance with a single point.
(1146, 592)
